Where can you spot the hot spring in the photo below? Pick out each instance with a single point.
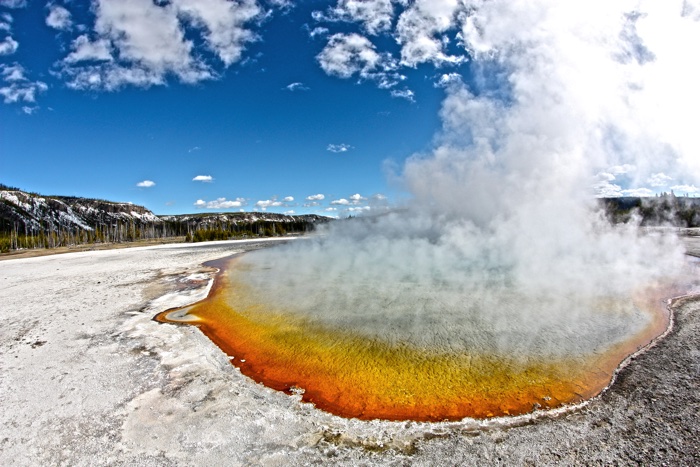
(423, 333)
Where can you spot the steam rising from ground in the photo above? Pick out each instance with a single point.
(502, 247)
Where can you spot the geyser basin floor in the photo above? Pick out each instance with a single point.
(346, 371)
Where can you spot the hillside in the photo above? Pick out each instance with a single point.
(29, 220)
(30, 212)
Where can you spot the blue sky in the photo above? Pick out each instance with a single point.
(316, 106)
(258, 136)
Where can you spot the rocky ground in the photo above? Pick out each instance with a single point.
(88, 378)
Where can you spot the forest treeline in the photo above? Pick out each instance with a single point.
(18, 236)
(666, 209)
(29, 220)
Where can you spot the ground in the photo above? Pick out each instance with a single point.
(88, 378)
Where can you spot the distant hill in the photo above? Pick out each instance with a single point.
(26, 211)
(30, 220)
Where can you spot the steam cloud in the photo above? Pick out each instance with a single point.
(502, 247)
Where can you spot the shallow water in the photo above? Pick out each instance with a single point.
(405, 350)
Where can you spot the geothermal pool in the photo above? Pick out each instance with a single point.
(407, 348)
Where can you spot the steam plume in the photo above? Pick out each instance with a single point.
(502, 243)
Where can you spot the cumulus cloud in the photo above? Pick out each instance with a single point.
(142, 43)
(288, 199)
(8, 46)
(352, 200)
(289, 213)
(296, 87)
(268, 203)
(659, 179)
(421, 32)
(338, 147)
(375, 15)
(318, 197)
(347, 55)
(84, 50)
(16, 87)
(203, 178)
(146, 184)
(220, 203)
(59, 18)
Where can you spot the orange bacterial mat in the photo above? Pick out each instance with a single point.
(355, 376)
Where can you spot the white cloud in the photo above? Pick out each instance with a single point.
(14, 3)
(659, 179)
(351, 201)
(683, 189)
(142, 43)
(448, 79)
(421, 32)
(404, 94)
(59, 18)
(346, 55)
(375, 15)
(288, 199)
(196, 148)
(203, 178)
(268, 203)
(338, 147)
(223, 23)
(16, 87)
(359, 209)
(86, 50)
(146, 184)
(605, 189)
(425, 30)
(8, 46)
(220, 203)
(318, 197)
(5, 22)
(605, 176)
(289, 213)
(14, 72)
(330, 209)
(296, 87)
(318, 31)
